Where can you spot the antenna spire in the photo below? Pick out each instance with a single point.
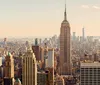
(65, 14)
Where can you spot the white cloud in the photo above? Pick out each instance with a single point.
(96, 7)
(91, 7)
(85, 6)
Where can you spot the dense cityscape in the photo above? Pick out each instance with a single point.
(59, 60)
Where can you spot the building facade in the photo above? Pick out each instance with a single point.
(50, 63)
(45, 56)
(90, 73)
(38, 51)
(9, 70)
(65, 59)
(42, 78)
(29, 69)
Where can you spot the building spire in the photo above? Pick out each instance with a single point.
(65, 14)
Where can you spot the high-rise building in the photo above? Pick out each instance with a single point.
(42, 78)
(50, 62)
(5, 44)
(83, 33)
(37, 50)
(90, 73)
(9, 70)
(45, 55)
(45, 78)
(29, 68)
(65, 58)
(74, 36)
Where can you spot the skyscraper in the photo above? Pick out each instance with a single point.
(50, 58)
(45, 55)
(29, 68)
(83, 33)
(74, 36)
(50, 66)
(9, 70)
(37, 49)
(65, 59)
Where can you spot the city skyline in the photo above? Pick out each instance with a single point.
(43, 18)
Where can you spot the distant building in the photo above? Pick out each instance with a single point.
(60, 81)
(50, 58)
(74, 36)
(45, 78)
(90, 73)
(42, 78)
(37, 50)
(49, 63)
(29, 68)
(83, 34)
(45, 56)
(50, 66)
(42, 54)
(9, 70)
(3, 60)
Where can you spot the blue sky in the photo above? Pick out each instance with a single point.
(43, 17)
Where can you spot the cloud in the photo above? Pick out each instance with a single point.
(96, 7)
(90, 6)
(85, 6)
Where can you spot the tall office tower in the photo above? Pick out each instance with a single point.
(40, 41)
(83, 33)
(42, 78)
(9, 70)
(5, 44)
(50, 66)
(37, 50)
(65, 59)
(45, 55)
(90, 73)
(29, 68)
(74, 36)
(50, 58)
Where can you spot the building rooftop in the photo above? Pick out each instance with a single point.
(90, 64)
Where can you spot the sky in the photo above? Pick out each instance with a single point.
(23, 18)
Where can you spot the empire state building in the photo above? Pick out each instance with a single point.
(65, 59)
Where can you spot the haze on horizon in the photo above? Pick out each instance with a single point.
(22, 18)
